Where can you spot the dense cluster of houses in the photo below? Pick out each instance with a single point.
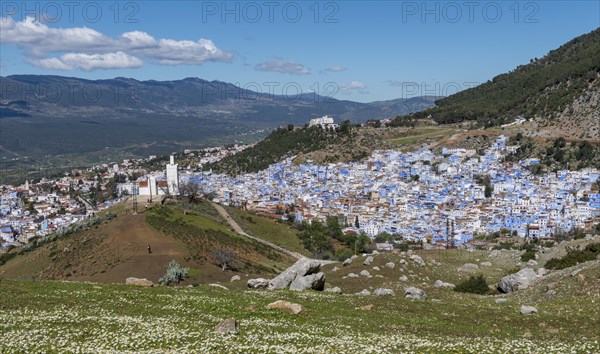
(421, 195)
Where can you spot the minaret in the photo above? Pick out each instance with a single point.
(172, 177)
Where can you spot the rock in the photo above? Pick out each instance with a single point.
(227, 326)
(335, 269)
(531, 263)
(354, 257)
(500, 301)
(139, 282)
(365, 308)
(415, 293)
(303, 267)
(403, 261)
(581, 276)
(417, 259)
(434, 262)
(308, 282)
(347, 262)
(258, 283)
(365, 273)
(518, 281)
(575, 272)
(335, 290)
(236, 278)
(441, 284)
(390, 265)
(375, 252)
(383, 292)
(469, 266)
(352, 275)
(286, 306)
(218, 286)
(368, 260)
(526, 310)
(364, 292)
(403, 278)
(494, 254)
(485, 264)
(376, 268)
(542, 271)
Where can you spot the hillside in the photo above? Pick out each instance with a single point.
(559, 92)
(68, 316)
(117, 249)
(87, 121)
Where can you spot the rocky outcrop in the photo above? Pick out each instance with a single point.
(335, 290)
(286, 306)
(308, 282)
(227, 326)
(527, 310)
(138, 282)
(518, 281)
(442, 284)
(258, 283)
(415, 293)
(383, 292)
(305, 274)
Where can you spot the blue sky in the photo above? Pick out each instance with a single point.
(361, 51)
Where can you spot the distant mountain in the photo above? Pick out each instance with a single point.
(45, 115)
(560, 90)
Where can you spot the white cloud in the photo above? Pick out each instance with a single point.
(354, 85)
(283, 66)
(82, 44)
(88, 62)
(336, 69)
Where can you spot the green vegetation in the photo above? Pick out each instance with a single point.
(319, 239)
(280, 144)
(541, 88)
(557, 155)
(474, 285)
(575, 257)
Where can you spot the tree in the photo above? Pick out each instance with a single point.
(225, 258)
(356, 223)
(488, 191)
(190, 190)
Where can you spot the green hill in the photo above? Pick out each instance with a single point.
(543, 88)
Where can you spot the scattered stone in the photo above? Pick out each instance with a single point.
(365, 308)
(368, 260)
(417, 259)
(353, 257)
(469, 266)
(347, 262)
(518, 281)
(227, 326)
(501, 300)
(258, 283)
(531, 263)
(236, 278)
(286, 306)
(575, 272)
(364, 292)
(542, 272)
(494, 254)
(434, 262)
(308, 282)
(403, 261)
(251, 307)
(383, 292)
(404, 278)
(415, 293)
(365, 273)
(376, 268)
(390, 265)
(581, 276)
(375, 252)
(138, 282)
(526, 310)
(218, 286)
(441, 284)
(335, 269)
(335, 290)
(485, 264)
(352, 275)
(304, 267)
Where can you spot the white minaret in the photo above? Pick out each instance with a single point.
(172, 177)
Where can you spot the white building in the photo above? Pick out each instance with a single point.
(172, 177)
(324, 122)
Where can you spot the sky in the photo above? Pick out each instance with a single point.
(349, 50)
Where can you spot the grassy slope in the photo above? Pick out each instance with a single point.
(58, 316)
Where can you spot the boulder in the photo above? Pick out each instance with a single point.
(518, 281)
(335, 290)
(258, 283)
(375, 252)
(353, 257)
(531, 263)
(301, 268)
(227, 326)
(286, 306)
(390, 265)
(376, 268)
(469, 266)
(347, 262)
(501, 300)
(575, 272)
(485, 264)
(368, 260)
(335, 269)
(404, 278)
(526, 310)
(417, 259)
(308, 282)
(494, 254)
(365, 273)
(434, 262)
(441, 284)
(542, 272)
(364, 292)
(403, 261)
(383, 292)
(236, 278)
(139, 282)
(352, 275)
(365, 308)
(415, 293)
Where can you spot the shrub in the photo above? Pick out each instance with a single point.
(593, 247)
(175, 274)
(474, 285)
(528, 255)
(572, 258)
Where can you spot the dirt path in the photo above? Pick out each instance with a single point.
(237, 229)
